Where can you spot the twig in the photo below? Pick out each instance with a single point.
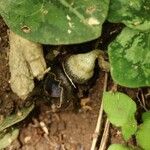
(105, 136)
(99, 121)
(142, 101)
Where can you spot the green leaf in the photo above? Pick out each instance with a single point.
(129, 128)
(146, 116)
(143, 135)
(129, 56)
(15, 118)
(133, 13)
(8, 138)
(120, 110)
(55, 22)
(118, 147)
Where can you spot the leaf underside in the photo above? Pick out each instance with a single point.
(55, 22)
(129, 56)
(15, 118)
(8, 138)
(134, 14)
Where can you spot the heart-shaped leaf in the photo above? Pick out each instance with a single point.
(129, 56)
(120, 110)
(55, 22)
(133, 13)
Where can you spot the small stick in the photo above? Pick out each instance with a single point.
(105, 136)
(142, 102)
(99, 121)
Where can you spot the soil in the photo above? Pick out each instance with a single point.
(46, 129)
(5, 91)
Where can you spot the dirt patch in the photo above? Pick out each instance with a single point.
(65, 130)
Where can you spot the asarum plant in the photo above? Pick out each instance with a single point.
(58, 22)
